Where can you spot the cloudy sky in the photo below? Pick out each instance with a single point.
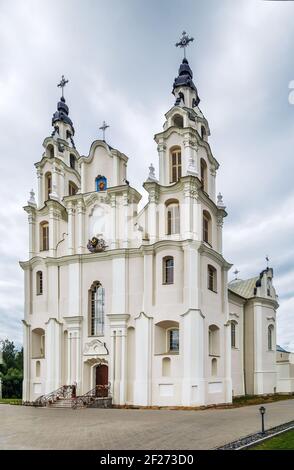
(121, 61)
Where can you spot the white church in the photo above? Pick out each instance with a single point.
(136, 299)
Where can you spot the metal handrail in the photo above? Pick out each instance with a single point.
(66, 391)
(89, 397)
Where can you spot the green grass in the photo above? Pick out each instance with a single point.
(284, 441)
(11, 401)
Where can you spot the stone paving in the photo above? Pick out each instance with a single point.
(42, 428)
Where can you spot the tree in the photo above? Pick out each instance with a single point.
(11, 369)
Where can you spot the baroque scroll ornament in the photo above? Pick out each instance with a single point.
(96, 245)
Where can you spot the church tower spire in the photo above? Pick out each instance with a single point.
(63, 125)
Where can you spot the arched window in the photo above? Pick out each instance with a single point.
(203, 133)
(50, 151)
(72, 161)
(38, 343)
(166, 366)
(178, 120)
(203, 174)
(270, 337)
(97, 309)
(175, 165)
(213, 340)
(206, 227)
(44, 236)
(38, 368)
(101, 183)
(173, 217)
(214, 367)
(211, 278)
(173, 339)
(72, 188)
(166, 337)
(233, 334)
(48, 185)
(39, 279)
(168, 270)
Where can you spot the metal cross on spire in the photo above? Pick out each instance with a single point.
(62, 84)
(184, 42)
(103, 128)
(236, 272)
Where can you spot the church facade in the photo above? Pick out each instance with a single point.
(138, 298)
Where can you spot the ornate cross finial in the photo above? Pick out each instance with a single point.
(267, 260)
(103, 128)
(184, 41)
(236, 272)
(62, 84)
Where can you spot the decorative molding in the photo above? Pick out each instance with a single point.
(95, 347)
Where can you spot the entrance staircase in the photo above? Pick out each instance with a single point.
(65, 397)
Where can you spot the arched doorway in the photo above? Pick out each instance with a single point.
(101, 375)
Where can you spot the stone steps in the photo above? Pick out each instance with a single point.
(62, 403)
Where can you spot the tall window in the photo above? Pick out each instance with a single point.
(39, 279)
(203, 133)
(213, 339)
(270, 337)
(50, 151)
(176, 165)
(211, 278)
(72, 161)
(97, 309)
(233, 334)
(168, 270)
(173, 339)
(206, 227)
(72, 188)
(44, 236)
(173, 217)
(203, 174)
(48, 185)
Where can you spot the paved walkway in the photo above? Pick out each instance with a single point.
(42, 428)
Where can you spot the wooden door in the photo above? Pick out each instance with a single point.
(101, 380)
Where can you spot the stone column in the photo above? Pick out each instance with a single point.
(113, 222)
(126, 221)
(40, 187)
(152, 209)
(228, 363)
(118, 356)
(219, 229)
(211, 186)
(54, 217)
(115, 169)
(55, 187)
(191, 277)
(32, 234)
(81, 226)
(148, 294)
(70, 228)
(192, 352)
(187, 215)
(83, 178)
(53, 355)
(163, 164)
(189, 163)
(26, 392)
(143, 360)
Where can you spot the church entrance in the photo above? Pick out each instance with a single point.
(101, 380)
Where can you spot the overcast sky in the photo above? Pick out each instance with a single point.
(121, 60)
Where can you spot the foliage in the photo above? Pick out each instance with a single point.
(11, 369)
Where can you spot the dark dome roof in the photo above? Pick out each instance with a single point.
(62, 113)
(185, 76)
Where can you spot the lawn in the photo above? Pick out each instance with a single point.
(256, 400)
(11, 401)
(284, 441)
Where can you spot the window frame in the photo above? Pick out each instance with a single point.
(96, 316)
(270, 342)
(173, 218)
(166, 270)
(211, 277)
(39, 283)
(175, 165)
(44, 236)
(169, 332)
